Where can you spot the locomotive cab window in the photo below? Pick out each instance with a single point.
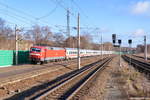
(36, 49)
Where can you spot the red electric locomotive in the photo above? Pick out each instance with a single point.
(44, 53)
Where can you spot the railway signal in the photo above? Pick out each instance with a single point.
(114, 38)
(130, 43)
(119, 42)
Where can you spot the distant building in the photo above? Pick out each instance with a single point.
(141, 48)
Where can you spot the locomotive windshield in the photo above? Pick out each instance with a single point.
(36, 49)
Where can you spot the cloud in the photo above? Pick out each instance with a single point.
(141, 7)
(139, 32)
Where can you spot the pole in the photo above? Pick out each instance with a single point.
(16, 45)
(145, 51)
(78, 32)
(120, 55)
(68, 27)
(130, 53)
(119, 41)
(109, 51)
(101, 47)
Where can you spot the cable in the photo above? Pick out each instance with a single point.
(20, 16)
(79, 8)
(35, 18)
(17, 18)
(62, 6)
(48, 14)
(87, 17)
(19, 11)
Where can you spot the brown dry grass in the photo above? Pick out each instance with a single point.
(135, 83)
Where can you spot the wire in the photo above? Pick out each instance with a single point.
(48, 14)
(79, 8)
(21, 12)
(20, 16)
(19, 19)
(62, 6)
(16, 9)
(85, 15)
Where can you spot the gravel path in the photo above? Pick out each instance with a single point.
(106, 85)
(114, 89)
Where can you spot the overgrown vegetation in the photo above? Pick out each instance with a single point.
(134, 82)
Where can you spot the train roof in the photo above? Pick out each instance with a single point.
(48, 47)
(60, 48)
(56, 48)
(38, 47)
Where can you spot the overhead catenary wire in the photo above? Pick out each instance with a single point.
(62, 6)
(65, 8)
(17, 18)
(84, 14)
(24, 19)
(49, 13)
(79, 8)
(32, 18)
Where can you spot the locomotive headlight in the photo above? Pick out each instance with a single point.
(35, 54)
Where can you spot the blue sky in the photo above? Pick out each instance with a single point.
(129, 19)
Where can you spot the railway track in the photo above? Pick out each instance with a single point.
(22, 74)
(142, 57)
(138, 63)
(65, 86)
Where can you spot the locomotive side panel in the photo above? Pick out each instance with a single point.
(54, 54)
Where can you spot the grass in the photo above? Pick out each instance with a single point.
(134, 82)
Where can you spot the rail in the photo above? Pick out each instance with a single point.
(70, 88)
(37, 91)
(138, 63)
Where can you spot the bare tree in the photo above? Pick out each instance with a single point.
(86, 42)
(40, 35)
(6, 36)
(71, 42)
(5, 30)
(58, 39)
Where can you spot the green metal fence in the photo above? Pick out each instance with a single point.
(7, 57)
(23, 57)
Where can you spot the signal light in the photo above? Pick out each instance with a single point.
(114, 38)
(119, 41)
(130, 41)
(114, 41)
